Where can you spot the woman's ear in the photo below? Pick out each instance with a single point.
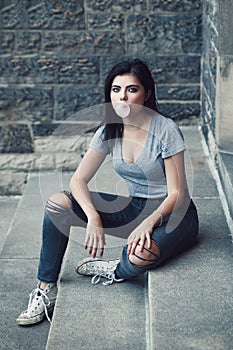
(147, 95)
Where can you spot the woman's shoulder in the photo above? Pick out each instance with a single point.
(162, 123)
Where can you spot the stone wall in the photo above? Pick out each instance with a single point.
(217, 91)
(217, 73)
(209, 70)
(54, 56)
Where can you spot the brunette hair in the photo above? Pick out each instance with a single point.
(113, 123)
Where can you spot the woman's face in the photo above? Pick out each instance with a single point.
(126, 90)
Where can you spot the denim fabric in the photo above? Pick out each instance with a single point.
(170, 243)
(120, 215)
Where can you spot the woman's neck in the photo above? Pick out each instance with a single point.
(134, 123)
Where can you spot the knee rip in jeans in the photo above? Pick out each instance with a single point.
(58, 203)
(147, 257)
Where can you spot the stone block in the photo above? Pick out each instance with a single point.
(62, 129)
(44, 129)
(67, 161)
(62, 152)
(44, 161)
(48, 70)
(210, 44)
(12, 15)
(60, 14)
(34, 104)
(210, 29)
(15, 138)
(156, 33)
(109, 43)
(28, 42)
(176, 69)
(19, 162)
(175, 5)
(185, 112)
(116, 5)
(165, 69)
(68, 70)
(208, 110)
(211, 10)
(70, 100)
(12, 184)
(209, 82)
(67, 43)
(15, 70)
(7, 40)
(105, 20)
(84, 43)
(56, 144)
(174, 92)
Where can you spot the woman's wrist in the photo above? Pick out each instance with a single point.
(157, 217)
(93, 216)
(161, 218)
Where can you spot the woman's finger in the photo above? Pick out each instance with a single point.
(129, 248)
(101, 252)
(134, 245)
(90, 245)
(86, 241)
(142, 243)
(94, 251)
(148, 237)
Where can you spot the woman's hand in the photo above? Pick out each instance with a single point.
(140, 235)
(95, 238)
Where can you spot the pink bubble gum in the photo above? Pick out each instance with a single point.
(122, 109)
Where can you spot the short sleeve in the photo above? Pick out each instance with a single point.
(98, 143)
(172, 141)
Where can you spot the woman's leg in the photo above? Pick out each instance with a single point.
(164, 246)
(58, 219)
(62, 211)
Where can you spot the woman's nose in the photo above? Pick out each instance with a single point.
(123, 96)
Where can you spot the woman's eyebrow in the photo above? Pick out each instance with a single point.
(131, 85)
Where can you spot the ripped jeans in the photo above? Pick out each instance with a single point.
(119, 215)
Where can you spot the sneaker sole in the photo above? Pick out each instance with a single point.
(89, 260)
(34, 320)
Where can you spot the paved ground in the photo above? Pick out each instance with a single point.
(186, 304)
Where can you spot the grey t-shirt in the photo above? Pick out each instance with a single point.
(145, 178)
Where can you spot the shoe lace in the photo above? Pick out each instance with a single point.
(101, 273)
(44, 300)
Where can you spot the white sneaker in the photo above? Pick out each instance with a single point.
(99, 268)
(41, 303)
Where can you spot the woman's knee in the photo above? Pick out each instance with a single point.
(58, 202)
(147, 256)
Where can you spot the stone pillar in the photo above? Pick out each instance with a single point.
(224, 95)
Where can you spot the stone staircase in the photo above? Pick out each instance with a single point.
(186, 304)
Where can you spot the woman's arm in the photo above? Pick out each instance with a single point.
(176, 185)
(177, 188)
(78, 185)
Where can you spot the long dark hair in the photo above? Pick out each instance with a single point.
(113, 123)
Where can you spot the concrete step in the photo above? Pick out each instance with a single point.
(190, 299)
(225, 168)
(21, 220)
(8, 207)
(99, 317)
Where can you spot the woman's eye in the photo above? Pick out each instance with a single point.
(115, 89)
(133, 89)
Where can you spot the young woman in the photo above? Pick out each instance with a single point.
(158, 218)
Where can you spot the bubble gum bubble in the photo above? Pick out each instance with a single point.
(122, 109)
